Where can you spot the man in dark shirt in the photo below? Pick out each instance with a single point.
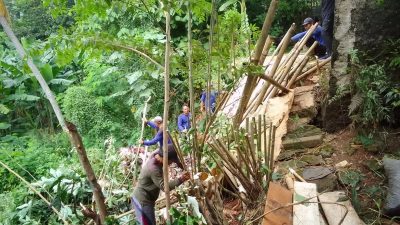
(150, 183)
(184, 120)
(327, 8)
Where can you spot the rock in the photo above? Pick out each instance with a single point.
(373, 147)
(326, 151)
(312, 160)
(283, 167)
(304, 131)
(296, 122)
(328, 183)
(317, 172)
(342, 164)
(372, 164)
(303, 142)
(288, 154)
(304, 102)
(353, 148)
(329, 161)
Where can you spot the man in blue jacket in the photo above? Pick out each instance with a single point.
(156, 124)
(184, 120)
(320, 49)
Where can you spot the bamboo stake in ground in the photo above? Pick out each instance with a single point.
(191, 92)
(73, 134)
(166, 107)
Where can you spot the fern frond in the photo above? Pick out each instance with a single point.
(356, 102)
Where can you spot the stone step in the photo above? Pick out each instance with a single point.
(303, 142)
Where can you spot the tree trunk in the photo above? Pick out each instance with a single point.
(73, 134)
(166, 108)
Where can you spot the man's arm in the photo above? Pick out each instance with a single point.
(158, 180)
(298, 36)
(152, 124)
(153, 141)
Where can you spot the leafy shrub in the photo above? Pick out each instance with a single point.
(375, 96)
(81, 108)
(30, 156)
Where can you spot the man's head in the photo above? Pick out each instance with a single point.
(185, 109)
(307, 23)
(158, 120)
(172, 156)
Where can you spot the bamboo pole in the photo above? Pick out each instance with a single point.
(266, 48)
(312, 70)
(166, 107)
(302, 65)
(191, 91)
(285, 43)
(209, 77)
(248, 88)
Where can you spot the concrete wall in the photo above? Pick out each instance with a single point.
(362, 25)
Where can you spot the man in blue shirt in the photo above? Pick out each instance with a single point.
(184, 120)
(157, 124)
(320, 49)
(210, 106)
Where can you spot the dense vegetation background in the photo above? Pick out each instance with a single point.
(87, 52)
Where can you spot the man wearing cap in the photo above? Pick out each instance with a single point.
(150, 183)
(320, 49)
(184, 120)
(209, 106)
(158, 138)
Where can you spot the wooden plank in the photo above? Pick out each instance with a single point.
(307, 213)
(334, 213)
(278, 196)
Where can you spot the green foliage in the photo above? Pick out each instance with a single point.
(25, 156)
(182, 216)
(81, 108)
(375, 96)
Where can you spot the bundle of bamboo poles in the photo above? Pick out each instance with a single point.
(246, 157)
(282, 72)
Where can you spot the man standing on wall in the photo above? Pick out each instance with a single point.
(327, 8)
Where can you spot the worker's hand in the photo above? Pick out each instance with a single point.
(144, 120)
(184, 177)
(140, 142)
(184, 131)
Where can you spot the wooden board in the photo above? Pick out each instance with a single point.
(307, 213)
(334, 213)
(278, 196)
